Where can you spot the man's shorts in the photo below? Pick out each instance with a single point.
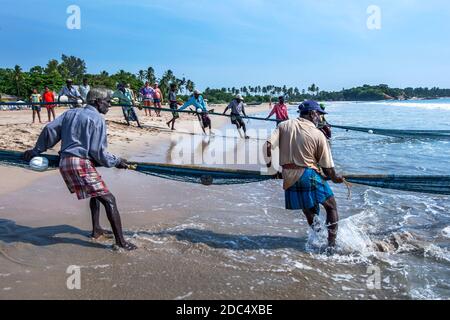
(236, 119)
(308, 192)
(82, 178)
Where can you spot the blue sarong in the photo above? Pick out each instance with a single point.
(308, 192)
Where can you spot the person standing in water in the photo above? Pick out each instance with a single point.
(36, 108)
(83, 137)
(147, 93)
(173, 104)
(157, 98)
(304, 156)
(280, 110)
(49, 97)
(237, 108)
(324, 126)
(197, 101)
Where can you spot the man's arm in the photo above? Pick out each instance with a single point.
(271, 113)
(243, 110)
(48, 138)
(332, 175)
(227, 108)
(99, 145)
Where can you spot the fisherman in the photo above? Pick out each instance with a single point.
(84, 89)
(197, 101)
(324, 126)
(147, 93)
(36, 108)
(49, 97)
(83, 137)
(157, 98)
(304, 157)
(280, 110)
(71, 93)
(125, 98)
(173, 104)
(237, 108)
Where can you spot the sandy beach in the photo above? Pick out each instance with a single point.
(45, 230)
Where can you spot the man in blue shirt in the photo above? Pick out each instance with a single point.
(71, 93)
(197, 101)
(83, 137)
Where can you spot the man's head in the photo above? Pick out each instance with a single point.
(85, 82)
(239, 98)
(196, 94)
(147, 83)
(69, 82)
(311, 111)
(121, 86)
(155, 85)
(173, 87)
(100, 99)
(281, 99)
(46, 89)
(128, 86)
(35, 91)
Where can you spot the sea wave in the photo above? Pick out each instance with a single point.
(435, 105)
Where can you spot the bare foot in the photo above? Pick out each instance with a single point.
(97, 234)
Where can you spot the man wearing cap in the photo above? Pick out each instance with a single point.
(307, 162)
(237, 108)
(71, 93)
(280, 111)
(197, 101)
(83, 137)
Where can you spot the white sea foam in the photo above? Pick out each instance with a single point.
(446, 232)
(418, 105)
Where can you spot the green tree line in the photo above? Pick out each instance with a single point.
(20, 83)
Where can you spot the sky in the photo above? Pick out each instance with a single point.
(239, 42)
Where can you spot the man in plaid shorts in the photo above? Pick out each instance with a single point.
(307, 163)
(82, 133)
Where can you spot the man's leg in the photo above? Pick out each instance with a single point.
(109, 202)
(332, 220)
(49, 115)
(97, 230)
(53, 113)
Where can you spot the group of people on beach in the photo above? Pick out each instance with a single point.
(305, 156)
(74, 96)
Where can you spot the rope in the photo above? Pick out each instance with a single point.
(137, 106)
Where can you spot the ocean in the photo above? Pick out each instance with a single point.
(392, 244)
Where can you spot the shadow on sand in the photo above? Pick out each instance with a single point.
(10, 232)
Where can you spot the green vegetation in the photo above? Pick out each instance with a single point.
(20, 83)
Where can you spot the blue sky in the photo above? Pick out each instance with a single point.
(239, 42)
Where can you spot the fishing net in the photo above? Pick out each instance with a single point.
(217, 176)
(417, 134)
(421, 184)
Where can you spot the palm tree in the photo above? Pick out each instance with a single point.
(141, 75)
(150, 75)
(190, 86)
(312, 88)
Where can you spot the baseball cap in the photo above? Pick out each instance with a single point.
(311, 105)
